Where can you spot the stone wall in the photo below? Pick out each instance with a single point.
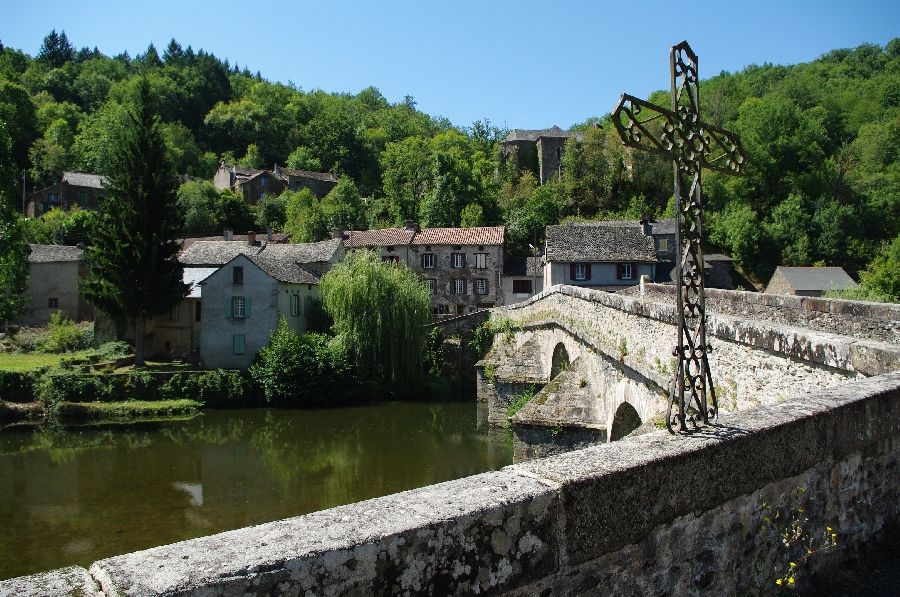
(626, 343)
(649, 515)
(872, 321)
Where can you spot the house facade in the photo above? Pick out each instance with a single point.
(53, 274)
(462, 267)
(251, 285)
(598, 255)
(176, 334)
(538, 150)
(254, 184)
(808, 281)
(523, 277)
(75, 188)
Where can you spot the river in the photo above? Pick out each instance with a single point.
(74, 496)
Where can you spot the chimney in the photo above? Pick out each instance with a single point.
(276, 170)
(338, 232)
(411, 225)
(645, 223)
(227, 234)
(269, 231)
(251, 238)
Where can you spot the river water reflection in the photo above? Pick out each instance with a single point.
(72, 497)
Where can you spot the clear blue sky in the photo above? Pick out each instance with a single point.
(522, 63)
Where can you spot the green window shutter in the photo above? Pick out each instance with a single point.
(247, 307)
(228, 306)
(239, 344)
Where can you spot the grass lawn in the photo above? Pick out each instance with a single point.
(28, 361)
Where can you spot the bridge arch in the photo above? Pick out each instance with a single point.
(559, 362)
(625, 420)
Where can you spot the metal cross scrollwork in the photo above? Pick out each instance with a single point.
(692, 144)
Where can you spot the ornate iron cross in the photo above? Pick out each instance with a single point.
(692, 145)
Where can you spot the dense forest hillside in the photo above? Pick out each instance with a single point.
(821, 185)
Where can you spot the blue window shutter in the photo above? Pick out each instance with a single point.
(247, 307)
(228, 306)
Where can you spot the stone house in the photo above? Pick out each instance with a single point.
(808, 281)
(599, 255)
(271, 280)
(256, 184)
(177, 333)
(540, 151)
(75, 188)
(523, 277)
(462, 267)
(53, 274)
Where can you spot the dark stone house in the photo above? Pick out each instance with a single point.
(809, 281)
(75, 188)
(256, 184)
(539, 151)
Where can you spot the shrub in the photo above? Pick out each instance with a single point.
(63, 335)
(297, 370)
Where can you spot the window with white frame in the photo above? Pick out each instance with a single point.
(238, 307)
(581, 271)
(626, 271)
(480, 260)
(53, 198)
(428, 261)
(431, 284)
(295, 305)
(663, 244)
(172, 314)
(481, 286)
(459, 286)
(458, 259)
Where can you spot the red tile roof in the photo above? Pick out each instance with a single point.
(378, 238)
(483, 235)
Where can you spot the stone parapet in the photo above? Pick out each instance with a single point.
(654, 514)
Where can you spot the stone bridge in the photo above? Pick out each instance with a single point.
(603, 362)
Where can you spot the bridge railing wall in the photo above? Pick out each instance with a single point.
(654, 514)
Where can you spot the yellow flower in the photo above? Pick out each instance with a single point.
(808, 551)
(833, 536)
(800, 511)
(766, 518)
(793, 565)
(778, 582)
(791, 580)
(829, 529)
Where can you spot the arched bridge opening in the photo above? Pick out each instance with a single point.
(560, 361)
(625, 421)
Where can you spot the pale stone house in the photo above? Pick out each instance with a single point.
(177, 333)
(53, 273)
(251, 287)
(462, 267)
(523, 277)
(599, 255)
(809, 281)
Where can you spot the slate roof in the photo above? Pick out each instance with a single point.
(83, 179)
(241, 171)
(216, 253)
(523, 266)
(664, 226)
(586, 242)
(278, 239)
(534, 135)
(283, 262)
(304, 253)
(817, 278)
(193, 276)
(326, 176)
(54, 253)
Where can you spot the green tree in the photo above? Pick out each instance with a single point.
(302, 159)
(133, 271)
(13, 247)
(297, 370)
(380, 311)
(343, 206)
(305, 219)
(882, 275)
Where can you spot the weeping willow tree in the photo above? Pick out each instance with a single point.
(380, 310)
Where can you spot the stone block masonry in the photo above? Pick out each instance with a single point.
(648, 515)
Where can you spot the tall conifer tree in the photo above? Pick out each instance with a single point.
(134, 273)
(13, 248)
